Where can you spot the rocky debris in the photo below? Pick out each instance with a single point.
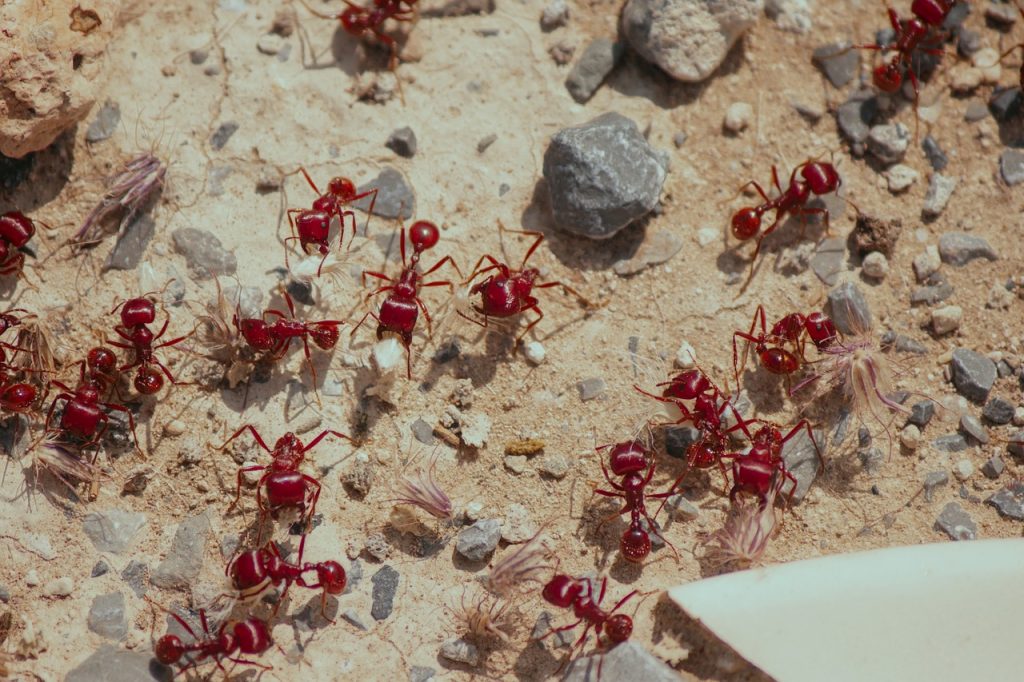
(829, 260)
(838, 61)
(591, 388)
(801, 458)
(1015, 446)
(998, 411)
(472, 428)
(105, 123)
(938, 289)
(932, 481)
(134, 575)
(849, 310)
(518, 527)
(562, 52)
(183, 562)
(106, 616)
(1009, 501)
(110, 664)
(59, 587)
(681, 508)
(270, 44)
(517, 464)
(395, 196)
(402, 141)
(478, 541)
(970, 425)
(377, 546)
(359, 476)
(1005, 103)
(423, 432)
(926, 264)
(957, 248)
(956, 523)
(657, 248)
(976, 111)
(485, 142)
(460, 651)
(793, 16)
(963, 470)
(889, 142)
(999, 297)
(385, 585)
(223, 133)
(1005, 15)
(555, 466)
(356, 619)
(947, 319)
(112, 530)
(100, 568)
(993, 467)
(900, 177)
(131, 244)
(854, 117)
(555, 15)
(534, 352)
(910, 437)
(903, 344)
(420, 673)
(738, 117)
(598, 60)
(933, 152)
(940, 189)
(951, 442)
(1011, 166)
(688, 39)
(626, 661)
(875, 266)
(973, 374)
(602, 175)
(205, 256)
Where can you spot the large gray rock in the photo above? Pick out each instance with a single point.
(849, 310)
(803, 461)
(602, 175)
(205, 255)
(110, 664)
(182, 564)
(479, 540)
(627, 661)
(973, 374)
(106, 616)
(385, 585)
(687, 38)
(112, 530)
(958, 248)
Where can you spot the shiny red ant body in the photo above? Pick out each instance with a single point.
(254, 571)
(358, 21)
(249, 637)
(755, 472)
(136, 316)
(16, 397)
(284, 484)
(567, 592)
(311, 227)
(770, 347)
(508, 292)
(16, 229)
(400, 310)
(628, 460)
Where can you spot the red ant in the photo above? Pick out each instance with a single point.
(254, 571)
(246, 637)
(276, 338)
(627, 460)
(566, 592)
(311, 227)
(754, 472)
(791, 329)
(507, 293)
(8, 320)
(16, 229)
(16, 397)
(400, 310)
(136, 315)
(818, 178)
(285, 485)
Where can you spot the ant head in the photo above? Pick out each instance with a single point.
(18, 397)
(289, 442)
(7, 321)
(932, 12)
(767, 436)
(619, 627)
(16, 228)
(424, 235)
(332, 577)
(257, 334)
(101, 359)
(353, 20)
(325, 335)
(562, 591)
(169, 649)
(628, 458)
(148, 381)
(635, 546)
(888, 77)
(138, 311)
(745, 223)
(702, 454)
(821, 330)
(687, 385)
(342, 188)
(821, 177)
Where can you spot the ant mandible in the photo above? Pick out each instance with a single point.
(254, 571)
(136, 316)
(246, 637)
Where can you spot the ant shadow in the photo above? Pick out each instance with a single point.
(536, 661)
(769, 388)
(1011, 124)
(37, 178)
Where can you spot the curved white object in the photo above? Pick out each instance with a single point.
(947, 611)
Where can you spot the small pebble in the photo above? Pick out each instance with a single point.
(686, 356)
(956, 523)
(875, 265)
(947, 319)
(998, 411)
(738, 117)
(385, 585)
(591, 388)
(855, 117)
(60, 587)
(478, 541)
(599, 59)
(198, 56)
(402, 141)
(993, 467)
(534, 352)
(1005, 103)
(517, 464)
(1006, 15)
(681, 508)
(270, 44)
(932, 481)
(900, 177)
(554, 15)
(175, 427)
(952, 442)
(107, 617)
(849, 309)
(976, 111)
(707, 235)
(940, 189)
(958, 248)
(1011, 166)
(999, 297)
(223, 134)
(838, 62)
(910, 437)
(474, 510)
(1009, 501)
(32, 578)
(936, 157)
(555, 466)
(485, 142)
(970, 425)
(973, 374)
(518, 526)
(420, 673)
(963, 469)
(889, 142)
(100, 568)
(461, 651)
(377, 546)
(679, 139)
(1018, 416)
(927, 263)
(964, 79)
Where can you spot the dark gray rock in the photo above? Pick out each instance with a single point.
(131, 244)
(5, 594)
(112, 530)
(1015, 445)
(105, 123)
(591, 388)
(183, 562)
(478, 541)
(110, 664)
(423, 432)
(931, 295)
(1005, 15)
(598, 60)
(1005, 103)
(385, 585)
(956, 523)
(993, 468)
(921, 413)
(135, 575)
(970, 426)
(903, 344)
(951, 442)
(461, 651)
(940, 189)
(936, 157)
(602, 175)
(968, 42)
(829, 260)
(1003, 369)
(205, 255)
(485, 142)
(802, 461)
(1011, 165)
(100, 568)
(402, 142)
(855, 117)
(395, 196)
(848, 309)
(626, 661)
(223, 134)
(678, 439)
(838, 61)
(871, 459)
(106, 616)
(976, 111)
(957, 248)
(198, 56)
(932, 481)
(973, 374)
(998, 411)
(1009, 501)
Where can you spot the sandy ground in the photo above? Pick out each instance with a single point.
(480, 75)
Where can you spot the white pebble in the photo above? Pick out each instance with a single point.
(474, 510)
(963, 469)
(706, 235)
(738, 117)
(270, 43)
(964, 79)
(999, 297)
(987, 61)
(32, 578)
(947, 319)
(61, 587)
(927, 263)
(900, 177)
(876, 265)
(910, 437)
(686, 357)
(534, 352)
(175, 427)
(1018, 416)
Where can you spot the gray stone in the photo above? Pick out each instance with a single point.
(970, 425)
(420, 673)
(555, 466)
(183, 562)
(998, 411)
(135, 575)
(940, 189)
(544, 636)
(973, 374)
(1005, 103)
(598, 60)
(5, 594)
(591, 388)
(956, 523)
(957, 248)
(976, 111)
(681, 508)
(423, 432)
(478, 541)
(854, 117)
(838, 61)
(679, 438)
(402, 142)
(829, 260)
(1011, 165)
(802, 461)
(112, 530)
(848, 309)
(657, 248)
(223, 133)
(100, 568)
(921, 413)
(931, 295)
(205, 255)
(1009, 501)
(871, 459)
(1015, 445)
(932, 481)
(905, 344)
(1005, 15)
(626, 661)
(385, 585)
(993, 468)
(889, 142)
(793, 16)
(131, 244)
(110, 664)
(395, 196)
(105, 123)
(460, 651)
(936, 157)
(106, 616)
(688, 39)
(555, 15)
(486, 142)
(951, 442)
(602, 175)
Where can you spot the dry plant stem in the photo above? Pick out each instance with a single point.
(422, 490)
(128, 191)
(523, 565)
(486, 617)
(748, 528)
(44, 351)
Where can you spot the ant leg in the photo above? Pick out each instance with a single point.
(476, 271)
(131, 422)
(302, 169)
(437, 266)
(313, 443)
(255, 434)
(540, 315)
(238, 481)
